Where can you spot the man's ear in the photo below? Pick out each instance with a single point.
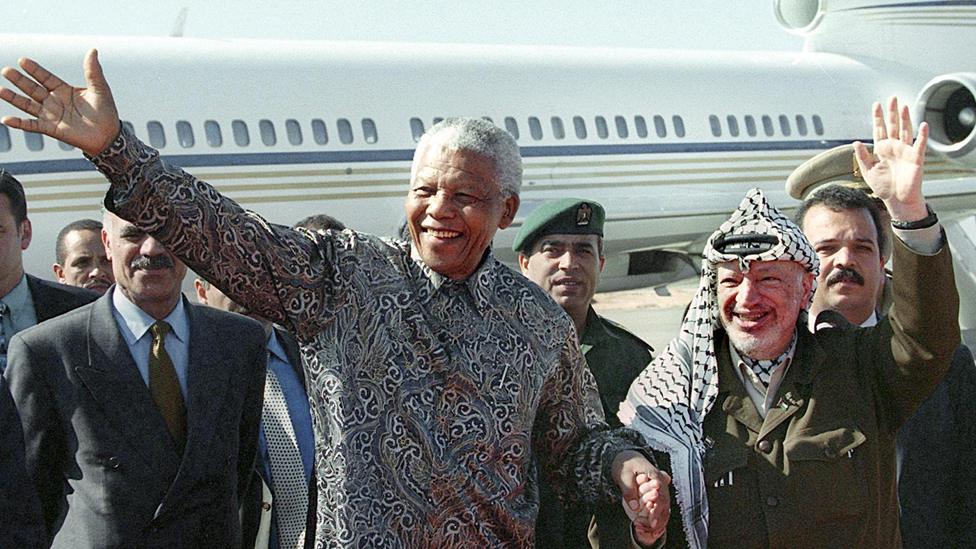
(511, 205)
(807, 282)
(58, 272)
(201, 291)
(26, 233)
(523, 261)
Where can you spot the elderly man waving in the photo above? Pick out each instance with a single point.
(440, 380)
(783, 438)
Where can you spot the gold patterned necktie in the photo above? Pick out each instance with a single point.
(165, 386)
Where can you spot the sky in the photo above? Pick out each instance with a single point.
(696, 24)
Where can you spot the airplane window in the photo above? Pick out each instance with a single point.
(767, 125)
(293, 131)
(128, 126)
(438, 120)
(157, 137)
(801, 125)
(212, 130)
(512, 126)
(662, 131)
(750, 125)
(267, 131)
(640, 125)
(535, 128)
(580, 126)
(621, 124)
(345, 131)
(558, 131)
(679, 126)
(784, 124)
(65, 147)
(416, 129)
(34, 141)
(818, 125)
(4, 139)
(601, 127)
(318, 132)
(715, 125)
(733, 123)
(184, 134)
(241, 135)
(369, 130)
(488, 118)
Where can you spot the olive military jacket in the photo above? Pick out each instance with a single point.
(819, 470)
(615, 357)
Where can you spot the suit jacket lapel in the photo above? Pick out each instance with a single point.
(208, 380)
(795, 389)
(113, 380)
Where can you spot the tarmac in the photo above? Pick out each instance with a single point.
(653, 314)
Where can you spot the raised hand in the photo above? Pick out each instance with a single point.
(82, 117)
(894, 171)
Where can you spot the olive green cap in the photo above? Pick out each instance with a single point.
(836, 166)
(565, 216)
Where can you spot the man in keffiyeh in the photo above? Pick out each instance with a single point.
(782, 438)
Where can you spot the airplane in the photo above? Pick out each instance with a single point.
(668, 141)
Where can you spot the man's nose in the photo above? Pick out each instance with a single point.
(151, 246)
(568, 261)
(440, 205)
(747, 293)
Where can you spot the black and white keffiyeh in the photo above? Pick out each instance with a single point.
(668, 402)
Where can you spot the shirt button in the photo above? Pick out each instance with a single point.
(772, 501)
(114, 462)
(265, 506)
(765, 446)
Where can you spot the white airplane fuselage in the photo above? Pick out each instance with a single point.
(686, 132)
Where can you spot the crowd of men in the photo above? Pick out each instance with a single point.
(416, 392)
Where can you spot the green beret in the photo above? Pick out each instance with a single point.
(566, 216)
(836, 166)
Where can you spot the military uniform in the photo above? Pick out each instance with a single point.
(819, 470)
(615, 357)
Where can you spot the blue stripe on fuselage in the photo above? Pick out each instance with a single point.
(32, 167)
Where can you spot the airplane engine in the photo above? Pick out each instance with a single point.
(948, 104)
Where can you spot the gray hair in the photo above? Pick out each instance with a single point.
(483, 138)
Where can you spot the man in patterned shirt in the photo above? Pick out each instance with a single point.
(442, 383)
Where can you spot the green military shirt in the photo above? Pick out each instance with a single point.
(615, 357)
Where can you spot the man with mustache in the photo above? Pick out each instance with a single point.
(140, 411)
(560, 247)
(25, 299)
(81, 259)
(936, 482)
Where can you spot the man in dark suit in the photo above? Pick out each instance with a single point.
(140, 411)
(20, 514)
(277, 515)
(25, 300)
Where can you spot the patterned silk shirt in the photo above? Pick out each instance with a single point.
(434, 401)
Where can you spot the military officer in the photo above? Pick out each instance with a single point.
(560, 248)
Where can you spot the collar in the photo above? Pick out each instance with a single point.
(594, 331)
(480, 285)
(871, 320)
(139, 321)
(275, 348)
(19, 296)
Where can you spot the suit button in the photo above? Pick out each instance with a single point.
(772, 501)
(765, 446)
(114, 462)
